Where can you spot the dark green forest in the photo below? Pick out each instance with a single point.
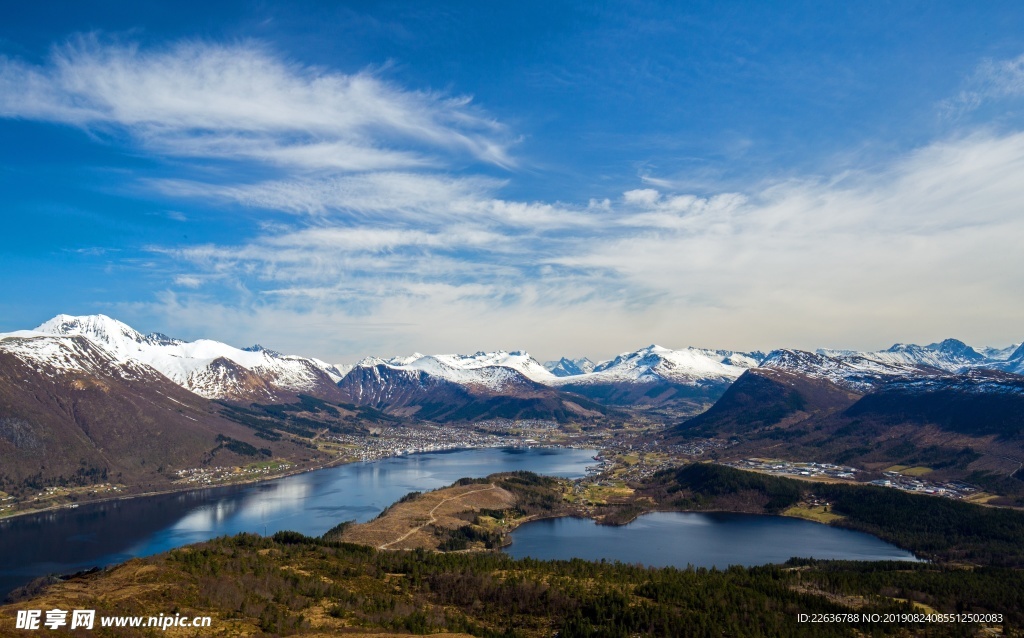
(278, 581)
(939, 529)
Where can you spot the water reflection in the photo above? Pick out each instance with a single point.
(105, 533)
(703, 540)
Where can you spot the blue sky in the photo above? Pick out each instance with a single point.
(342, 179)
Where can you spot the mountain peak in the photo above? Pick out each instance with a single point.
(258, 348)
(208, 368)
(160, 339)
(788, 358)
(97, 327)
(956, 348)
(565, 367)
(897, 347)
(1018, 354)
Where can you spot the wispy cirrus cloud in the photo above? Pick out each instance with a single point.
(241, 101)
(363, 195)
(925, 244)
(389, 197)
(383, 238)
(992, 80)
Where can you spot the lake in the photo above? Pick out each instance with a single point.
(678, 539)
(69, 540)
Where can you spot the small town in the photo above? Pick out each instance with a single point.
(804, 470)
(952, 489)
(892, 478)
(200, 476)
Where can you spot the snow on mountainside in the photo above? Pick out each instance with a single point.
(652, 376)
(1013, 363)
(852, 371)
(971, 382)
(565, 367)
(1002, 354)
(950, 355)
(517, 360)
(1016, 366)
(208, 368)
(646, 365)
(216, 370)
(489, 370)
(655, 363)
(336, 371)
(59, 355)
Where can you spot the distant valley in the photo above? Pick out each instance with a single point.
(91, 407)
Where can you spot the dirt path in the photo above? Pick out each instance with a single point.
(433, 519)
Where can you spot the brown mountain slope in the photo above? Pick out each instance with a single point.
(765, 398)
(424, 396)
(97, 421)
(965, 427)
(241, 385)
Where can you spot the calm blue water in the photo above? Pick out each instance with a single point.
(101, 534)
(678, 539)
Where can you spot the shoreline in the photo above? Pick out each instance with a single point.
(659, 510)
(334, 463)
(251, 481)
(507, 541)
(127, 497)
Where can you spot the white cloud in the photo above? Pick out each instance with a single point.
(241, 101)
(642, 196)
(188, 281)
(992, 80)
(1002, 77)
(922, 249)
(376, 194)
(388, 249)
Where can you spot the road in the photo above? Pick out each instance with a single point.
(433, 519)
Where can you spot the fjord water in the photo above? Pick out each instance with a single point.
(678, 539)
(69, 540)
(100, 534)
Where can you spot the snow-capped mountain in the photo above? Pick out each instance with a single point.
(1002, 354)
(335, 371)
(655, 376)
(59, 356)
(856, 372)
(1013, 363)
(647, 365)
(73, 413)
(655, 363)
(489, 370)
(862, 371)
(565, 367)
(456, 387)
(977, 403)
(208, 368)
(950, 355)
(652, 375)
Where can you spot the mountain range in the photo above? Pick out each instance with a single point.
(83, 397)
(71, 414)
(429, 386)
(939, 410)
(690, 378)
